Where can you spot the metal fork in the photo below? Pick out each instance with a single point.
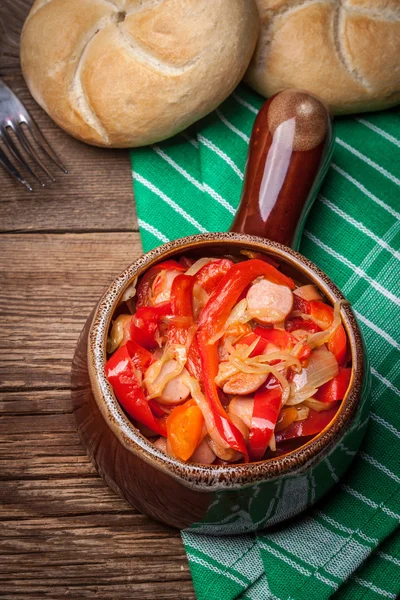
(13, 115)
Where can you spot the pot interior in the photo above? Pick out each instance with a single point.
(234, 245)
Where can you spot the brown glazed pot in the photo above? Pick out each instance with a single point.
(289, 152)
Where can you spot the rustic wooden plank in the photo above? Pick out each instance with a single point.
(12, 16)
(46, 497)
(54, 284)
(96, 195)
(113, 589)
(113, 555)
(50, 439)
(52, 443)
(19, 403)
(63, 531)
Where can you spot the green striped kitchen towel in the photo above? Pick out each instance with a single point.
(347, 547)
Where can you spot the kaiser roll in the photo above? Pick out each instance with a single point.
(132, 72)
(345, 51)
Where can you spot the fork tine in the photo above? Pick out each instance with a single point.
(5, 162)
(42, 142)
(9, 142)
(28, 148)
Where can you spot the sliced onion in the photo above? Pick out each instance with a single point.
(299, 347)
(322, 337)
(284, 384)
(317, 405)
(242, 351)
(298, 397)
(259, 364)
(302, 413)
(130, 292)
(242, 407)
(298, 313)
(227, 454)
(252, 367)
(240, 424)
(308, 292)
(162, 285)
(199, 264)
(322, 367)
(238, 314)
(269, 315)
(244, 367)
(217, 336)
(226, 370)
(300, 335)
(119, 333)
(154, 379)
(285, 357)
(155, 386)
(200, 299)
(272, 443)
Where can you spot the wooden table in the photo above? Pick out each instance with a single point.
(63, 533)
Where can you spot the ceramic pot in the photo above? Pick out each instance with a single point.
(289, 153)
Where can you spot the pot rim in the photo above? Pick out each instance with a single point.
(214, 477)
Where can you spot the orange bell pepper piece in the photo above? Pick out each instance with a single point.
(184, 429)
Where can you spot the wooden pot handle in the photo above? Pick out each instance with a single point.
(290, 150)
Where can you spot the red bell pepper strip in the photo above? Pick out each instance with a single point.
(182, 306)
(181, 296)
(186, 262)
(301, 304)
(211, 274)
(212, 319)
(193, 363)
(144, 337)
(121, 373)
(225, 295)
(299, 323)
(159, 410)
(141, 357)
(147, 319)
(321, 312)
(243, 295)
(315, 422)
(336, 388)
(338, 343)
(209, 362)
(143, 292)
(283, 339)
(267, 405)
(249, 339)
(278, 337)
(324, 314)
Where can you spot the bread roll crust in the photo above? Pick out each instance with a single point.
(347, 52)
(127, 73)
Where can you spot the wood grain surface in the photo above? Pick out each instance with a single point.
(63, 533)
